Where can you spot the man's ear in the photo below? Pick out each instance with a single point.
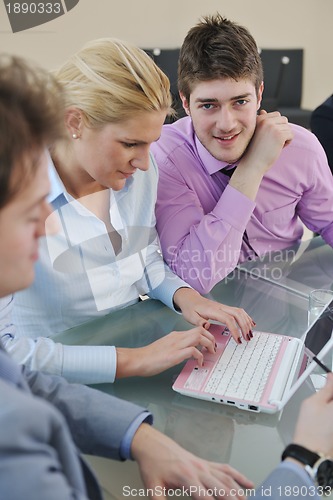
(74, 122)
(185, 103)
(260, 92)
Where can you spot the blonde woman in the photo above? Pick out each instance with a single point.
(106, 254)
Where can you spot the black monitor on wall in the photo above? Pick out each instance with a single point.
(283, 80)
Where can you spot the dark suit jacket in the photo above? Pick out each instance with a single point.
(322, 126)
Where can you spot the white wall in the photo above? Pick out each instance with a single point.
(155, 23)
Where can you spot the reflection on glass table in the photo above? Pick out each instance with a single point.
(273, 308)
(301, 268)
(250, 442)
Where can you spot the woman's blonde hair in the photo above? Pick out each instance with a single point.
(111, 81)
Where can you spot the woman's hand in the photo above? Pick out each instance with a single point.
(198, 310)
(164, 353)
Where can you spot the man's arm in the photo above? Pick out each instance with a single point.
(175, 466)
(314, 431)
(200, 243)
(272, 134)
(38, 459)
(287, 481)
(162, 462)
(315, 208)
(98, 422)
(165, 464)
(322, 126)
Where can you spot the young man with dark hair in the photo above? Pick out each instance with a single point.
(207, 221)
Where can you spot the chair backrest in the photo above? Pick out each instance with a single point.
(283, 76)
(167, 60)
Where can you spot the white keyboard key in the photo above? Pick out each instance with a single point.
(242, 370)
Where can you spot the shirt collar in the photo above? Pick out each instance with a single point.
(58, 188)
(211, 164)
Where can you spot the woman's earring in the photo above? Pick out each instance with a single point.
(75, 136)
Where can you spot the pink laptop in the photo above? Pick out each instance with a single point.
(260, 375)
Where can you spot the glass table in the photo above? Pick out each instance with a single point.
(250, 442)
(300, 268)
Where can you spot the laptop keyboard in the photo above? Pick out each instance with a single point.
(243, 369)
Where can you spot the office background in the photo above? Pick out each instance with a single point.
(164, 23)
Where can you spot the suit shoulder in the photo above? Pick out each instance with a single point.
(16, 406)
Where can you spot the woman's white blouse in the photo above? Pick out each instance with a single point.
(79, 277)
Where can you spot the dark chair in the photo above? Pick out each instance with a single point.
(167, 60)
(283, 78)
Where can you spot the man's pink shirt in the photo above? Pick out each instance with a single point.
(201, 220)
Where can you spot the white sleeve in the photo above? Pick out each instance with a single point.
(82, 364)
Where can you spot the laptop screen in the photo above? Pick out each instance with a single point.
(320, 331)
(318, 339)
